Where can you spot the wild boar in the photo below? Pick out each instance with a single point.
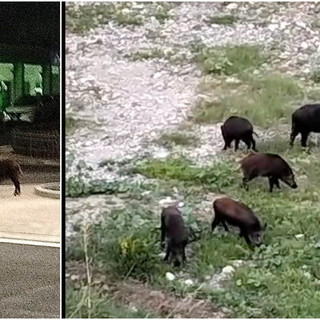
(239, 215)
(237, 128)
(306, 119)
(173, 228)
(10, 169)
(267, 165)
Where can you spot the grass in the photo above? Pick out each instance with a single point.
(151, 54)
(229, 60)
(177, 138)
(264, 101)
(102, 306)
(72, 125)
(223, 20)
(282, 279)
(214, 177)
(80, 19)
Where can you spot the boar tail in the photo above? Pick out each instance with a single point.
(255, 134)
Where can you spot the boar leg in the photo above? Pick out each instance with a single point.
(17, 186)
(246, 237)
(271, 182)
(169, 248)
(215, 222)
(276, 182)
(304, 137)
(245, 181)
(225, 226)
(293, 135)
(227, 143)
(184, 254)
(163, 232)
(236, 144)
(253, 145)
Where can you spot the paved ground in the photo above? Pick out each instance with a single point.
(28, 216)
(29, 281)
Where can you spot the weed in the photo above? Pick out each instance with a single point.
(224, 20)
(263, 101)
(102, 306)
(229, 60)
(177, 138)
(215, 177)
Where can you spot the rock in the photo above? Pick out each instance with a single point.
(228, 270)
(232, 6)
(232, 80)
(299, 236)
(170, 276)
(189, 282)
(272, 27)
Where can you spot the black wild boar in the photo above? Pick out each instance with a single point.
(267, 165)
(10, 169)
(239, 215)
(237, 128)
(173, 228)
(306, 119)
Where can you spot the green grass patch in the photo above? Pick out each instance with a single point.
(264, 101)
(151, 54)
(229, 60)
(276, 277)
(177, 138)
(102, 305)
(215, 177)
(82, 18)
(223, 20)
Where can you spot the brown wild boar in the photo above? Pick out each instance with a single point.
(267, 165)
(10, 169)
(173, 228)
(239, 215)
(237, 128)
(306, 119)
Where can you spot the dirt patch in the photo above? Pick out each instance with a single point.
(140, 295)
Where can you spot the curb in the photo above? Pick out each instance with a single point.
(43, 191)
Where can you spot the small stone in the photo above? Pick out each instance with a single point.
(232, 6)
(74, 277)
(232, 80)
(170, 276)
(272, 27)
(228, 269)
(299, 236)
(189, 282)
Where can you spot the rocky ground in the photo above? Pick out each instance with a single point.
(121, 103)
(126, 105)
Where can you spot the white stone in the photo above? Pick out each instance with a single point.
(189, 282)
(228, 270)
(272, 27)
(232, 6)
(299, 236)
(170, 276)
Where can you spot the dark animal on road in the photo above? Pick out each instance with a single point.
(267, 165)
(239, 215)
(306, 119)
(173, 228)
(237, 128)
(10, 169)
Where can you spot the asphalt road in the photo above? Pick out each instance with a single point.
(29, 281)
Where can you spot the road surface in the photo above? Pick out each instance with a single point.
(29, 281)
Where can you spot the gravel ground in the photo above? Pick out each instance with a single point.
(126, 104)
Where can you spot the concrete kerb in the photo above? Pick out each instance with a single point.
(44, 190)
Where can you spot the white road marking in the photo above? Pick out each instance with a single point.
(31, 243)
